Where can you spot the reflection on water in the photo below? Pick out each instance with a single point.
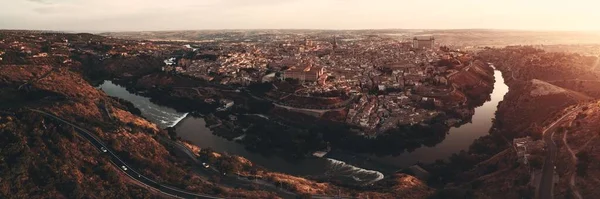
(458, 138)
(162, 116)
(194, 129)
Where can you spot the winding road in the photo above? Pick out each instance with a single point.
(595, 66)
(120, 164)
(151, 184)
(546, 185)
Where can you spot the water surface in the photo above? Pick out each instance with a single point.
(162, 116)
(457, 139)
(334, 165)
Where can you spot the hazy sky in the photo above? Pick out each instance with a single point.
(119, 15)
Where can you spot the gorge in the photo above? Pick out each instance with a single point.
(338, 164)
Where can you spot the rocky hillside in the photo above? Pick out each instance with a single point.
(542, 88)
(578, 155)
(475, 80)
(42, 157)
(71, 167)
(532, 103)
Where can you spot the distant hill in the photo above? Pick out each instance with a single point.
(456, 38)
(533, 102)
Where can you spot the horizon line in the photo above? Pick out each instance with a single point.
(307, 29)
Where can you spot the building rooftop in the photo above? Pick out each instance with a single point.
(424, 38)
(305, 68)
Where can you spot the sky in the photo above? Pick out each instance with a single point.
(148, 15)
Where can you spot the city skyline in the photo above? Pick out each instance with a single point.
(138, 15)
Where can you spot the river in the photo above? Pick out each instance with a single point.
(160, 115)
(333, 166)
(457, 139)
(194, 130)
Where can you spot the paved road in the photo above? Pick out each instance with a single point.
(547, 182)
(595, 66)
(167, 190)
(232, 180)
(132, 173)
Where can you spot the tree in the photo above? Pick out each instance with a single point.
(536, 132)
(206, 155)
(583, 156)
(583, 160)
(292, 81)
(526, 192)
(45, 47)
(582, 168)
(453, 193)
(491, 168)
(536, 163)
(476, 184)
(218, 190)
(304, 196)
(172, 133)
(215, 179)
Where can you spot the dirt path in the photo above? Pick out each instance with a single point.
(574, 161)
(597, 63)
(586, 143)
(501, 153)
(546, 186)
(580, 80)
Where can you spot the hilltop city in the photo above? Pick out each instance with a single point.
(297, 114)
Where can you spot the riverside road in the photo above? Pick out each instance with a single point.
(132, 173)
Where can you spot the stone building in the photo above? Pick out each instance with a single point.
(424, 42)
(309, 73)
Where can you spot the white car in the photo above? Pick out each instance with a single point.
(103, 150)
(205, 165)
(124, 168)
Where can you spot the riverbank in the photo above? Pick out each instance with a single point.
(535, 102)
(456, 140)
(305, 134)
(194, 129)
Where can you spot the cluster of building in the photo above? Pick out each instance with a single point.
(38, 47)
(385, 82)
(33, 47)
(395, 81)
(520, 145)
(307, 73)
(386, 112)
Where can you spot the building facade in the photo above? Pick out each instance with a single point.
(520, 146)
(424, 42)
(308, 73)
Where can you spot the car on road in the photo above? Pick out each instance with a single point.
(103, 149)
(124, 168)
(205, 165)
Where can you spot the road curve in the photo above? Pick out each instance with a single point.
(132, 173)
(546, 185)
